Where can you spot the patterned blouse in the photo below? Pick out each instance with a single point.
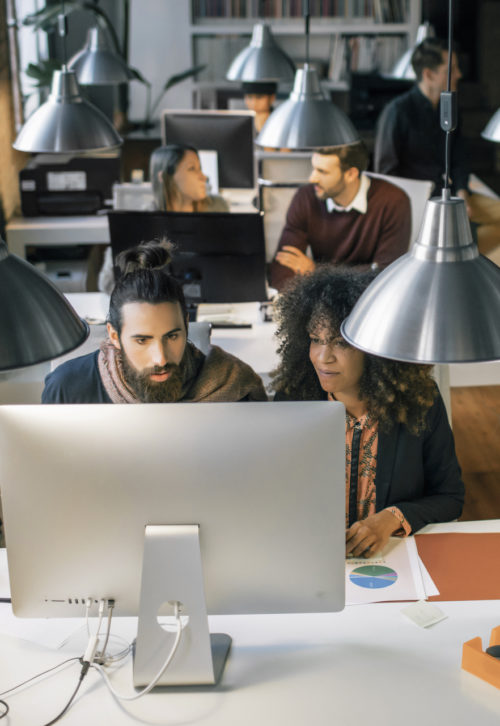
(367, 469)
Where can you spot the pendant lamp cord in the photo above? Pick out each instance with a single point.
(305, 13)
(62, 24)
(448, 110)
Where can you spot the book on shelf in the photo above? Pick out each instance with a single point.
(363, 54)
(382, 11)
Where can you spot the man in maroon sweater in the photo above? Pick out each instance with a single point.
(345, 217)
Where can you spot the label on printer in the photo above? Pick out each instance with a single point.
(63, 181)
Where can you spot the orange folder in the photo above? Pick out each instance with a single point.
(463, 566)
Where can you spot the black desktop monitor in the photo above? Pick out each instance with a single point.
(370, 93)
(218, 257)
(230, 134)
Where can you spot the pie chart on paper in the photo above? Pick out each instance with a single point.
(373, 577)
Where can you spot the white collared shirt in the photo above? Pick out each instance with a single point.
(360, 201)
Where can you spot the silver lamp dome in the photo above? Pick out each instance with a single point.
(66, 122)
(97, 65)
(306, 120)
(439, 303)
(262, 60)
(37, 322)
(492, 129)
(403, 68)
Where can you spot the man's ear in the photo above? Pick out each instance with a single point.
(113, 336)
(428, 75)
(351, 174)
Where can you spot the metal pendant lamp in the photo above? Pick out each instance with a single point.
(96, 64)
(306, 120)
(403, 69)
(36, 322)
(262, 60)
(440, 303)
(492, 130)
(66, 122)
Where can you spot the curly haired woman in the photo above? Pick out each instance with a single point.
(401, 467)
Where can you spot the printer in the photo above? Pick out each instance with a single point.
(59, 184)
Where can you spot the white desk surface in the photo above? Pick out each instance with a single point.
(85, 229)
(367, 664)
(56, 231)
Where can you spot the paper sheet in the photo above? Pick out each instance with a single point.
(393, 575)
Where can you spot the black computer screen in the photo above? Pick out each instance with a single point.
(218, 257)
(230, 134)
(370, 93)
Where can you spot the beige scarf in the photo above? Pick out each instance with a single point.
(218, 376)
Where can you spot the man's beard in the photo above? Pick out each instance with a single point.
(148, 391)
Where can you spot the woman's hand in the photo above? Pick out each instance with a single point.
(368, 536)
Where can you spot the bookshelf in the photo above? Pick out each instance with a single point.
(168, 36)
(346, 35)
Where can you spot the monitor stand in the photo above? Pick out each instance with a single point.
(172, 572)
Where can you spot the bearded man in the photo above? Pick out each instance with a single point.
(344, 216)
(147, 357)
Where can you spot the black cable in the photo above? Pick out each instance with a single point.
(448, 88)
(83, 673)
(6, 706)
(28, 680)
(38, 675)
(450, 41)
(305, 13)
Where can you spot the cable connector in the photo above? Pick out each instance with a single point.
(89, 655)
(448, 113)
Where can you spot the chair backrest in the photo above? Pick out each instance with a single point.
(275, 200)
(280, 175)
(418, 192)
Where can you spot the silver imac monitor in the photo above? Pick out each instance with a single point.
(227, 508)
(229, 133)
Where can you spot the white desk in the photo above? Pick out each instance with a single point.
(367, 664)
(87, 229)
(56, 232)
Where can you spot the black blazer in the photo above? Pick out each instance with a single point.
(419, 474)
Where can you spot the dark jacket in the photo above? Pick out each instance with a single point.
(419, 474)
(410, 143)
(76, 381)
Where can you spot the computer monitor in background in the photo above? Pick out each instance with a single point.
(261, 484)
(219, 257)
(369, 94)
(229, 133)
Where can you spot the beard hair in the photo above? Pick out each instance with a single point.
(148, 391)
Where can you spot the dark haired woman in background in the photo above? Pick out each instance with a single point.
(401, 467)
(179, 185)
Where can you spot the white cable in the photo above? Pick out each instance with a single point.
(155, 680)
